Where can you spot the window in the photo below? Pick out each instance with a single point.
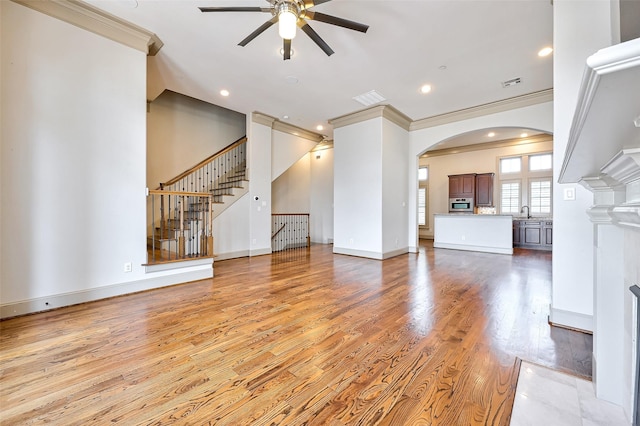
(422, 206)
(423, 173)
(510, 197)
(526, 180)
(540, 196)
(510, 165)
(540, 162)
(423, 181)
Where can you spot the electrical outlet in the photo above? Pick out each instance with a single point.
(128, 267)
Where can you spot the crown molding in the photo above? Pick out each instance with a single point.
(264, 119)
(488, 145)
(275, 124)
(384, 111)
(485, 109)
(97, 21)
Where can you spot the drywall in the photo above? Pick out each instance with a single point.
(258, 159)
(395, 145)
(574, 40)
(291, 190)
(182, 131)
(286, 150)
(358, 189)
(73, 148)
(321, 194)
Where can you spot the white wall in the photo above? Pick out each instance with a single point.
(321, 194)
(358, 188)
(286, 150)
(483, 161)
(395, 219)
(291, 190)
(231, 231)
(73, 149)
(258, 159)
(574, 40)
(182, 131)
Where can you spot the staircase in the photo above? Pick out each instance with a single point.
(181, 210)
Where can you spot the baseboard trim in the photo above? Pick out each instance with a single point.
(484, 249)
(260, 252)
(232, 255)
(370, 254)
(572, 320)
(55, 301)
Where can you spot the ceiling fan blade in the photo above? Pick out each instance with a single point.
(262, 28)
(311, 3)
(316, 38)
(287, 49)
(235, 9)
(334, 20)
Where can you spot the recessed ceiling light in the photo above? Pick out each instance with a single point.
(286, 117)
(319, 127)
(545, 51)
(426, 88)
(224, 92)
(491, 134)
(442, 67)
(524, 135)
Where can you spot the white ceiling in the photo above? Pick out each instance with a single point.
(463, 48)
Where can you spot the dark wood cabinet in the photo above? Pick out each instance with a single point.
(533, 234)
(462, 186)
(484, 190)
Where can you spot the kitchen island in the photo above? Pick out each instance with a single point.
(491, 233)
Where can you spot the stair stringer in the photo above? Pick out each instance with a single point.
(228, 200)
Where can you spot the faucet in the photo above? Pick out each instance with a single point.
(522, 211)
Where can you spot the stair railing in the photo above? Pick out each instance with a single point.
(216, 174)
(289, 231)
(185, 228)
(178, 228)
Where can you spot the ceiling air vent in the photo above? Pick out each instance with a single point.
(369, 98)
(511, 82)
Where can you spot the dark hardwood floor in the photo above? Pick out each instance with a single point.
(300, 337)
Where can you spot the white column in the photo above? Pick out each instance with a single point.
(581, 27)
(259, 136)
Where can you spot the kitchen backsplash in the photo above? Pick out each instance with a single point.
(486, 210)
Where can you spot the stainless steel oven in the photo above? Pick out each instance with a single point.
(461, 205)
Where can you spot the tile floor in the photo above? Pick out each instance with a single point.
(547, 397)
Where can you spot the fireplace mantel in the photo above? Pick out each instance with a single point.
(603, 155)
(607, 117)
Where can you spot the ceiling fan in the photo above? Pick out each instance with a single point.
(290, 14)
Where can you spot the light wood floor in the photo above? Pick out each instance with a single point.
(303, 337)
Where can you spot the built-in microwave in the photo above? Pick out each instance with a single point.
(461, 205)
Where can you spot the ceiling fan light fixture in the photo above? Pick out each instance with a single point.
(287, 19)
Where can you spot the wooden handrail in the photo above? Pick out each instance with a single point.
(186, 194)
(278, 231)
(203, 162)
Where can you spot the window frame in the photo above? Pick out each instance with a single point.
(525, 176)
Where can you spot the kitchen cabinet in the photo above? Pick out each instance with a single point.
(484, 190)
(462, 186)
(533, 234)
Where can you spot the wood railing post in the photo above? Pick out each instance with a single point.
(210, 232)
(181, 247)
